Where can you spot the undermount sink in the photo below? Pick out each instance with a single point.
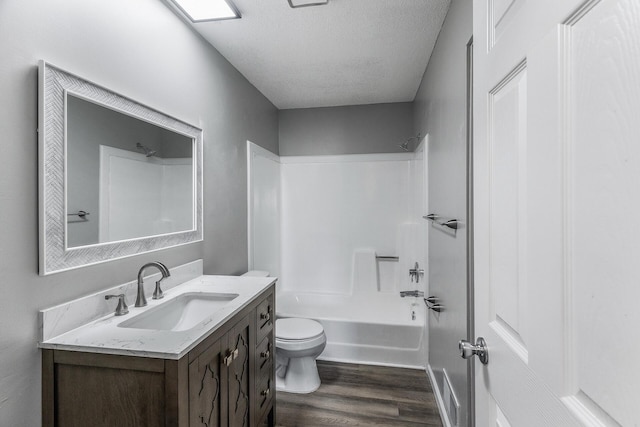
(181, 313)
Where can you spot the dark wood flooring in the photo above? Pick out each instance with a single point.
(361, 395)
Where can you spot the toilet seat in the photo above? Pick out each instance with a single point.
(301, 345)
(296, 334)
(296, 329)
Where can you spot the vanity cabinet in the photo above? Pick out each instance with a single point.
(226, 380)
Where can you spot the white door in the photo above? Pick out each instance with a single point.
(557, 211)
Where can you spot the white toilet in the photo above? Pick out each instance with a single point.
(298, 343)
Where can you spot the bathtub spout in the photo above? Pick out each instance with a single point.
(415, 293)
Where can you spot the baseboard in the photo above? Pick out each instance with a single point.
(436, 392)
(369, 362)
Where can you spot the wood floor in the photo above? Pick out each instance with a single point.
(360, 395)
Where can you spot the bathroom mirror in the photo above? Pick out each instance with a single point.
(116, 178)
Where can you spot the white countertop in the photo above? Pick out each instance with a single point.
(105, 336)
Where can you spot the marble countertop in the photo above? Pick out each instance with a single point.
(105, 336)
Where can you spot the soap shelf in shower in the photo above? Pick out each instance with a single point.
(451, 223)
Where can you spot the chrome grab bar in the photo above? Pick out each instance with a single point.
(387, 258)
(451, 223)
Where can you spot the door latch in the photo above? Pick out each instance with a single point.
(467, 350)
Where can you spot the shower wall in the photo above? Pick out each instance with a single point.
(338, 213)
(348, 204)
(263, 182)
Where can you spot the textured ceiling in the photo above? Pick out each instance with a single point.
(348, 52)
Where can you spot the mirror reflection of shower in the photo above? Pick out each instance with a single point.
(147, 151)
(405, 145)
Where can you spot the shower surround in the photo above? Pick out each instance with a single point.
(349, 228)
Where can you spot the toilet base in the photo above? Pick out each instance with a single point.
(301, 376)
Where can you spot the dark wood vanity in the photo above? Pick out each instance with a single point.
(228, 379)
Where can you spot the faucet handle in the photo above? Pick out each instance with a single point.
(122, 308)
(416, 272)
(157, 293)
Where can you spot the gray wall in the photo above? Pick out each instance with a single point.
(141, 49)
(357, 129)
(440, 110)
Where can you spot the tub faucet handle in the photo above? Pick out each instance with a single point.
(416, 272)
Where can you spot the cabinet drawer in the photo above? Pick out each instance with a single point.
(264, 358)
(265, 316)
(264, 396)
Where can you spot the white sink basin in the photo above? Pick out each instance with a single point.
(181, 313)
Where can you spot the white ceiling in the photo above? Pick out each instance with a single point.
(348, 52)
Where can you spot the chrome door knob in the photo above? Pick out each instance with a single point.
(479, 349)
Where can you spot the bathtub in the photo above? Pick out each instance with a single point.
(375, 329)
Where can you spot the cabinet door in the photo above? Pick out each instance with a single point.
(207, 388)
(238, 370)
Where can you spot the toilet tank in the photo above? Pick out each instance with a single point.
(256, 273)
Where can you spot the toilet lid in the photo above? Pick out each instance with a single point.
(297, 329)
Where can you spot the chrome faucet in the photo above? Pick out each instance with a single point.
(141, 300)
(415, 293)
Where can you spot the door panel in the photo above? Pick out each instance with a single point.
(603, 173)
(507, 136)
(556, 167)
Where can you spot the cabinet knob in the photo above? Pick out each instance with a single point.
(265, 316)
(265, 354)
(265, 392)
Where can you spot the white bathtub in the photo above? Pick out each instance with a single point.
(376, 328)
